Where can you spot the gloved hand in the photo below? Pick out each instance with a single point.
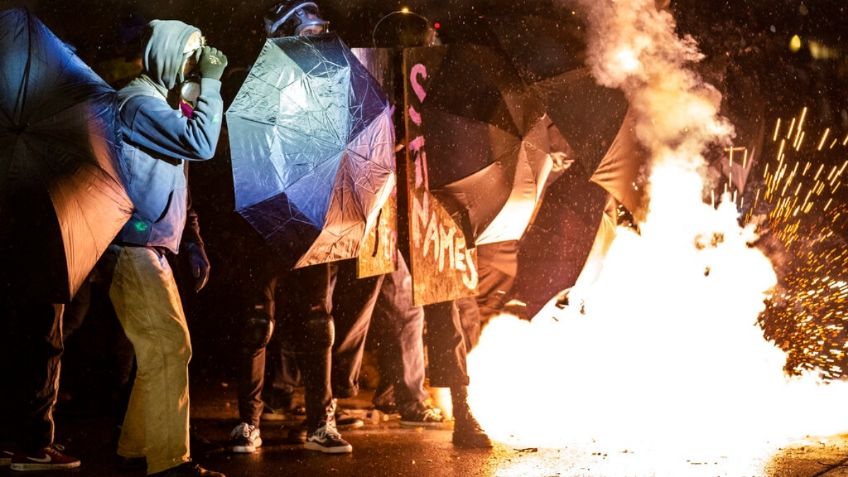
(212, 63)
(199, 264)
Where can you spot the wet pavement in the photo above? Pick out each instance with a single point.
(383, 448)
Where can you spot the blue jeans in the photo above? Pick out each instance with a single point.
(399, 344)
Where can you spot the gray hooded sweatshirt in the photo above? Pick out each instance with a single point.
(158, 139)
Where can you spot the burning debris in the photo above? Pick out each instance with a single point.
(801, 212)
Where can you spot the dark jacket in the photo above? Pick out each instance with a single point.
(158, 139)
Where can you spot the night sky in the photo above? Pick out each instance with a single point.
(95, 26)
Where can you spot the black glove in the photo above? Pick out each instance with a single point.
(212, 63)
(199, 264)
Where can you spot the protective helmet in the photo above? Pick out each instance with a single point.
(290, 17)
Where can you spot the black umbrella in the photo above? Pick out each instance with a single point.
(487, 141)
(312, 149)
(548, 54)
(62, 199)
(555, 248)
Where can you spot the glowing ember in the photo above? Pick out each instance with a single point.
(800, 211)
(662, 359)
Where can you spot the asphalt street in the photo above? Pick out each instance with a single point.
(383, 448)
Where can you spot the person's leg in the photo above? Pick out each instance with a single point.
(282, 377)
(35, 345)
(448, 368)
(282, 374)
(308, 331)
(353, 305)
(148, 306)
(256, 332)
(8, 412)
(400, 343)
(445, 345)
(40, 333)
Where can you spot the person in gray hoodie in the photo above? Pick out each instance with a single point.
(161, 132)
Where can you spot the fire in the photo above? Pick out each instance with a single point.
(627, 60)
(661, 358)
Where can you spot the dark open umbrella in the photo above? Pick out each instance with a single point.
(487, 142)
(61, 201)
(312, 149)
(592, 118)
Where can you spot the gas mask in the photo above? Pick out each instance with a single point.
(190, 90)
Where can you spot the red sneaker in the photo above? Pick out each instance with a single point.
(49, 458)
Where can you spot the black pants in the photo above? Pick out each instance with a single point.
(454, 327)
(445, 345)
(31, 350)
(91, 308)
(321, 315)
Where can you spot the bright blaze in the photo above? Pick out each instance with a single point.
(661, 357)
(665, 361)
(627, 62)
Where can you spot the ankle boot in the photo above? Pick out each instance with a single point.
(467, 432)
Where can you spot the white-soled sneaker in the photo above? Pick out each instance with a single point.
(244, 439)
(327, 439)
(49, 458)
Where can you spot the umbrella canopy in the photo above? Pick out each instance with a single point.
(554, 251)
(598, 127)
(312, 145)
(62, 199)
(487, 142)
(592, 118)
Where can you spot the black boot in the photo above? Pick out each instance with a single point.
(467, 432)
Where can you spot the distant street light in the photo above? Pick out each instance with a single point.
(402, 11)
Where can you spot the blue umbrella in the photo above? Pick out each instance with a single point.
(61, 199)
(312, 146)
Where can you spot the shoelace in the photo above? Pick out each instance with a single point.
(243, 430)
(54, 450)
(328, 430)
(431, 414)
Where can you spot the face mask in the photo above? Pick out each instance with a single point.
(190, 91)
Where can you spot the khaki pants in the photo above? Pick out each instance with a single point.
(148, 306)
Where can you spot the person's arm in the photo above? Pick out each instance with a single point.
(155, 126)
(192, 244)
(191, 232)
